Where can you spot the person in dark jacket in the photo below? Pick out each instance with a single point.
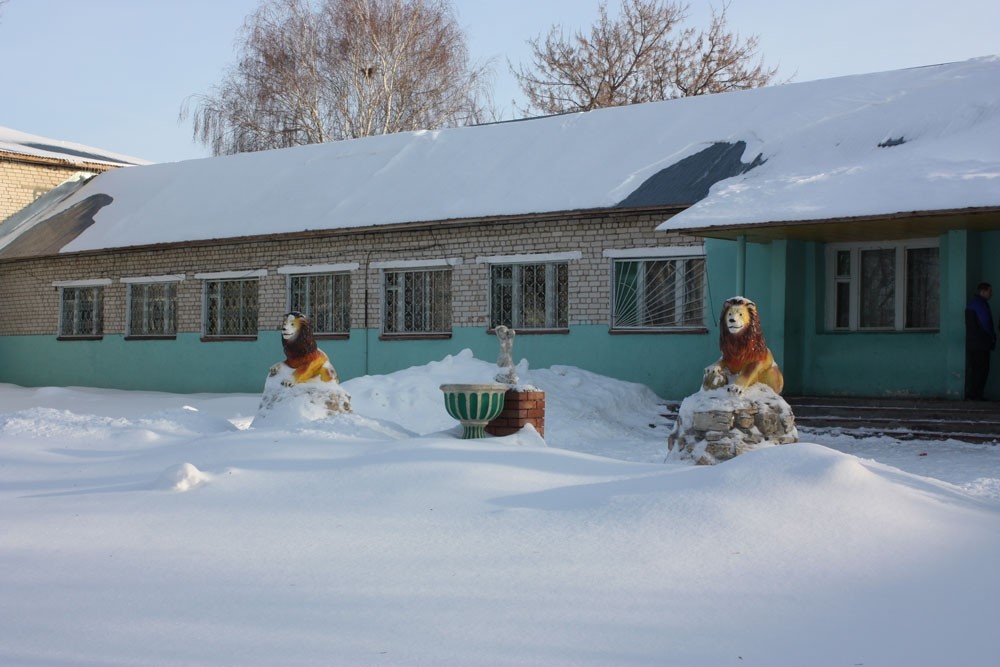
(980, 340)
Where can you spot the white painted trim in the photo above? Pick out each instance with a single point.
(175, 278)
(853, 281)
(540, 258)
(86, 282)
(319, 268)
(417, 263)
(231, 275)
(660, 251)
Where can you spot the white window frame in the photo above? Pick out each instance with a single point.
(552, 304)
(130, 284)
(551, 261)
(854, 281)
(413, 266)
(679, 254)
(75, 286)
(335, 273)
(220, 277)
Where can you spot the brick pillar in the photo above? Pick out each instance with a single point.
(520, 407)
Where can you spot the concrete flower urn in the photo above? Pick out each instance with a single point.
(474, 405)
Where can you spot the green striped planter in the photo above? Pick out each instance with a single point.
(475, 405)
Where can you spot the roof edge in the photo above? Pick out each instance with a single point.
(592, 213)
(14, 156)
(910, 224)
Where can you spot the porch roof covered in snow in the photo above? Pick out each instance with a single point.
(912, 225)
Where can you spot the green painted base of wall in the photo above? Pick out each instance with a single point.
(671, 365)
(889, 365)
(787, 281)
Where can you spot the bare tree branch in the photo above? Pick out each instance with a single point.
(339, 70)
(641, 56)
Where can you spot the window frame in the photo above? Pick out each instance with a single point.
(310, 272)
(643, 256)
(553, 260)
(76, 287)
(554, 309)
(145, 282)
(834, 279)
(445, 266)
(248, 277)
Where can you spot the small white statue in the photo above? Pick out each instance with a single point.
(505, 361)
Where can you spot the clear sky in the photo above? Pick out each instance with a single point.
(113, 74)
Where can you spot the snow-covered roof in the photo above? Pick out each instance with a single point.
(33, 146)
(922, 139)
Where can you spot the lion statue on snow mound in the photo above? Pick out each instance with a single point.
(302, 353)
(746, 360)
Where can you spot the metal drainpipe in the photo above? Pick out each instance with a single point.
(741, 264)
(367, 351)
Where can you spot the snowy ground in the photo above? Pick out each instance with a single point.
(157, 529)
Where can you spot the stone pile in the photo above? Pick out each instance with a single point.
(717, 424)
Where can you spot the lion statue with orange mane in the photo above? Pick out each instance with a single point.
(305, 385)
(746, 359)
(301, 352)
(738, 408)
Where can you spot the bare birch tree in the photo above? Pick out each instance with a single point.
(311, 72)
(643, 55)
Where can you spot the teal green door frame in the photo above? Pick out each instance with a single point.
(741, 264)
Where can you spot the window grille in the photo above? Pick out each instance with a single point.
(659, 293)
(877, 288)
(923, 292)
(529, 296)
(231, 307)
(417, 302)
(82, 311)
(152, 309)
(325, 298)
(892, 286)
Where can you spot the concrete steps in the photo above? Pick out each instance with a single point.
(904, 419)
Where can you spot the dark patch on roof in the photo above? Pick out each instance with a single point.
(94, 157)
(49, 236)
(688, 181)
(889, 143)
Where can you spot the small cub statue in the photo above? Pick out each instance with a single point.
(746, 359)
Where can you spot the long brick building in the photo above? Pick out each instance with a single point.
(857, 212)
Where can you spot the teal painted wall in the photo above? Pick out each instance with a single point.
(786, 280)
(896, 364)
(984, 266)
(670, 364)
(182, 365)
(765, 285)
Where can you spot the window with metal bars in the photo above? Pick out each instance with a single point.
(529, 296)
(152, 310)
(231, 308)
(324, 298)
(81, 312)
(658, 294)
(416, 302)
(888, 286)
